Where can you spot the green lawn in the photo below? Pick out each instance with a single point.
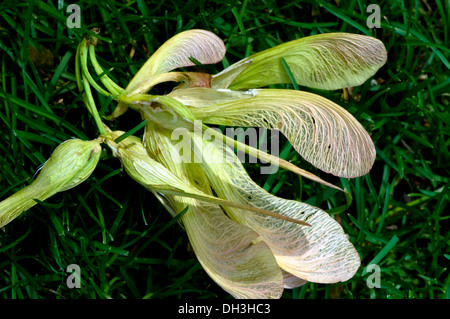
(123, 240)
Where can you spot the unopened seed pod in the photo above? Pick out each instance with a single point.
(139, 166)
(71, 163)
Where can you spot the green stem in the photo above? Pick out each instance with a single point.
(78, 68)
(84, 67)
(89, 100)
(83, 85)
(79, 77)
(115, 89)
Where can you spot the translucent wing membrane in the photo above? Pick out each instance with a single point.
(290, 281)
(230, 254)
(320, 253)
(326, 61)
(324, 133)
(204, 46)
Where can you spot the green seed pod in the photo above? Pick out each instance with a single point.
(140, 166)
(71, 163)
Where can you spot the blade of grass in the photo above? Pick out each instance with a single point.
(131, 132)
(383, 252)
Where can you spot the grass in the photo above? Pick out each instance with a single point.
(126, 244)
